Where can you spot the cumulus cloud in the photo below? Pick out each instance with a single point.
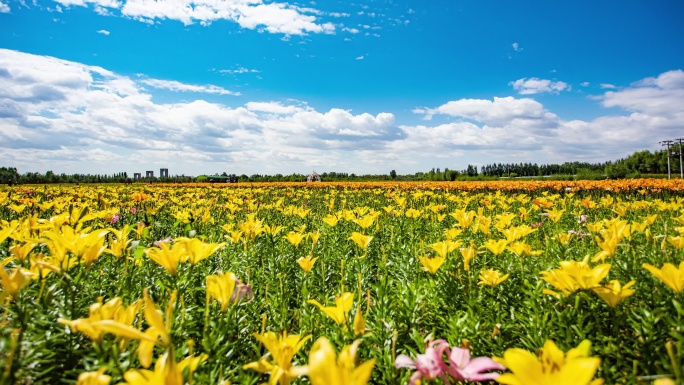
(272, 17)
(505, 129)
(661, 96)
(500, 111)
(177, 86)
(103, 32)
(607, 86)
(55, 113)
(538, 86)
(4, 8)
(516, 47)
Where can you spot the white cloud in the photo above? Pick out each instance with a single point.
(537, 86)
(351, 30)
(103, 32)
(607, 86)
(359, 57)
(239, 70)
(585, 84)
(516, 47)
(177, 86)
(662, 96)
(64, 113)
(4, 8)
(272, 17)
(500, 111)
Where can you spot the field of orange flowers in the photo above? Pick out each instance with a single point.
(511, 282)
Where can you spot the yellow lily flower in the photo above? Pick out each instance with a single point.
(119, 246)
(252, 227)
(468, 254)
(464, 219)
(613, 293)
(452, 233)
(271, 230)
(677, 242)
(445, 247)
(555, 215)
(330, 220)
(514, 233)
(431, 265)
(555, 367)
(166, 371)
(13, 282)
(491, 277)
(282, 349)
(326, 368)
(221, 287)
(197, 250)
(503, 221)
(7, 231)
(361, 240)
(94, 378)
(365, 221)
(608, 247)
(338, 313)
(564, 238)
(294, 238)
(496, 247)
(112, 310)
(92, 251)
(413, 213)
(669, 274)
(314, 236)
(167, 255)
(22, 252)
(561, 281)
(306, 263)
(235, 236)
(522, 248)
(484, 224)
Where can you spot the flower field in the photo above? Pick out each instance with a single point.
(380, 283)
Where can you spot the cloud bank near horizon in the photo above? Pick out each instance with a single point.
(71, 117)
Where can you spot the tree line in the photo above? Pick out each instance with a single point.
(641, 163)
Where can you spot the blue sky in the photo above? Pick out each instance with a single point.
(252, 86)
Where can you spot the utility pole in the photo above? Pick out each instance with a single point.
(667, 143)
(681, 170)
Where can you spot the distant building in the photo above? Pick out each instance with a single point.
(313, 177)
(149, 174)
(163, 172)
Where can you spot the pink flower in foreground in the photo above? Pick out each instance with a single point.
(429, 365)
(461, 367)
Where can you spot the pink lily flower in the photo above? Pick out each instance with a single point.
(429, 365)
(461, 367)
